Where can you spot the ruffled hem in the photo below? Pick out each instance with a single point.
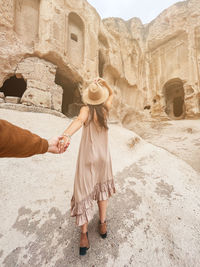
(83, 209)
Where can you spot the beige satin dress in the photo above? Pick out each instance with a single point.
(94, 176)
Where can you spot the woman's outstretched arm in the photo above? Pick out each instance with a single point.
(74, 127)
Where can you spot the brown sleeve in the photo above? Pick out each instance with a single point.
(18, 142)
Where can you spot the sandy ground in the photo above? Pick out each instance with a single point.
(153, 219)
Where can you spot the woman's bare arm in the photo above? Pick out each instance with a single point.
(75, 126)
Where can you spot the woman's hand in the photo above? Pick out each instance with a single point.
(63, 144)
(54, 144)
(101, 81)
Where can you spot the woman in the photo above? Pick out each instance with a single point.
(94, 177)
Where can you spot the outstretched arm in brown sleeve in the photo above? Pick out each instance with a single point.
(19, 143)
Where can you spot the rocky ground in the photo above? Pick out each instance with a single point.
(153, 219)
(181, 138)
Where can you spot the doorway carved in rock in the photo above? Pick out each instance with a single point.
(71, 101)
(174, 99)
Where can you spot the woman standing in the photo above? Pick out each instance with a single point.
(94, 177)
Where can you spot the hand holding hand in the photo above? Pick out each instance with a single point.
(63, 144)
(54, 145)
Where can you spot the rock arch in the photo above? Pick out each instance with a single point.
(174, 98)
(27, 19)
(75, 39)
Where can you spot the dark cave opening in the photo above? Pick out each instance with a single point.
(174, 98)
(14, 87)
(71, 101)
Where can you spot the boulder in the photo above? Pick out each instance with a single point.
(12, 99)
(2, 95)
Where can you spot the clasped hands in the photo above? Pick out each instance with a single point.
(58, 145)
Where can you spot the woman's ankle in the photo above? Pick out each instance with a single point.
(84, 228)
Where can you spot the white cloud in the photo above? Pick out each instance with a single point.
(146, 10)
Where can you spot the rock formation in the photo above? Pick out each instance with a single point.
(51, 49)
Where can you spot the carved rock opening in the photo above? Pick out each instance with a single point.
(76, 39)
(174, 99)
(101, 64)
(14, 87)
(198, 100)
(199, 104)
(148, 107)
(71, 101)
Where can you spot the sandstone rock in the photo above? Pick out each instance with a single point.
(36, 69)
(12, 99)
(2, 100)
(2, 95)
(56, 97)
(139, 61)
(133, 141)
(156, 52)
(38, 85)
(37, 98)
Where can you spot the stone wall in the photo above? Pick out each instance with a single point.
(41, 89)
(59, 46)
(27, 20)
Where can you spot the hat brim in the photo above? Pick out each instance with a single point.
(89, 101)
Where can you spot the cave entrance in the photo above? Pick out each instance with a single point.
(174, 99)
(14, 87)
(71, 101)
(178, 106)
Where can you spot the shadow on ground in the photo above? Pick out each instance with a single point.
(55, 242)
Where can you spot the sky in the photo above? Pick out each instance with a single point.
(146, 10)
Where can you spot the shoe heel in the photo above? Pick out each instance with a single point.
(103, 229)
(104, 235)
(83, 251)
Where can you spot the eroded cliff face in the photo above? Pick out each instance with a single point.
(52, 45)
(158, 63)
(59, 46)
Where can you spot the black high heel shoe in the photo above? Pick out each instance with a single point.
(103, 229)
(84, 244)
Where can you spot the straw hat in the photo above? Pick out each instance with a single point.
(95, 94)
